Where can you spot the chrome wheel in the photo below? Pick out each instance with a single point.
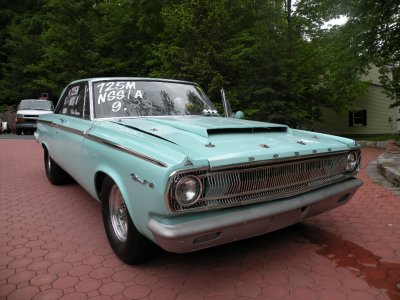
(118, 214)
(125, 239)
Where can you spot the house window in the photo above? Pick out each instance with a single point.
(358, 118)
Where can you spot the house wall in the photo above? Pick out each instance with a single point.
(380, 118)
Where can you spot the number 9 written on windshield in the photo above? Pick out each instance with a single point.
(117, 91)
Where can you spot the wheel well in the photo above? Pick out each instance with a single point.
(98, 181)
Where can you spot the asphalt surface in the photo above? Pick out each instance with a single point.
(53, 246)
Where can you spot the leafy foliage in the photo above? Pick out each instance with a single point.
(273, 58)
(373, 32)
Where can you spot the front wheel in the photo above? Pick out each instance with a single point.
(126, 241)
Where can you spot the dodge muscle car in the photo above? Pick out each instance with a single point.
(169, 169)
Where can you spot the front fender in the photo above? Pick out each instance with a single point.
(142, 184)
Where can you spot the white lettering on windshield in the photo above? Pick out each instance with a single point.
(138, 94)
(111, 91)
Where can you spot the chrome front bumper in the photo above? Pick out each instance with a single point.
(248, 221)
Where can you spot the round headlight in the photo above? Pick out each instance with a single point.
(351, 162)
(188, 190)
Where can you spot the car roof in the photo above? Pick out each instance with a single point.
(94, 79)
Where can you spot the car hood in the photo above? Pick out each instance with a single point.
(224, 141)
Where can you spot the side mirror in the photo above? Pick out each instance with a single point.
(239, 115)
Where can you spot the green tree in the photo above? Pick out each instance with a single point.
(122, 33)
(375, 27)
(372, 31)
(276, 62)
(67, 51)
(21, 26)
(273, 58)
(192, 45)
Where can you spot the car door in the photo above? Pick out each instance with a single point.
(72, 122)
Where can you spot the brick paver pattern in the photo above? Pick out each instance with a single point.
(53, 245)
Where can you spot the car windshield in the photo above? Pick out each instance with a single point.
(148, 98)
(35, 104)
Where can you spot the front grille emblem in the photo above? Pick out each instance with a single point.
(188, 162)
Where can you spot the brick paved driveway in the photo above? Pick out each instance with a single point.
(52, 245)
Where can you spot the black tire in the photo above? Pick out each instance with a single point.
(54, 172)
(19, 131)
(128, 243)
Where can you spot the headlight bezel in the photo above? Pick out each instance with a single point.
(197, 193)
(352, 162)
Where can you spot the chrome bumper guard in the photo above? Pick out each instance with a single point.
(244, 222)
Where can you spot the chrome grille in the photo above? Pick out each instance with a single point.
(245, 184)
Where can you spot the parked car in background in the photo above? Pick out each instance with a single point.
(28, 112)
(169, 169)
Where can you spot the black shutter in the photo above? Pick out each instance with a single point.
(351, 119)
(364, 114)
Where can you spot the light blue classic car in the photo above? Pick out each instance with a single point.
(168, 169)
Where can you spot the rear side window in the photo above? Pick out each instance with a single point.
(73, 101)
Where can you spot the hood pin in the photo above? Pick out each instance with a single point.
(209, 145)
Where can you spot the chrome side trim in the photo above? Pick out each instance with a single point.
(46, 122)
(126, 150)
(65, 128)
(107, 143)
(71, 130)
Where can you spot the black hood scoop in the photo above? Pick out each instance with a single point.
(216, 131)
